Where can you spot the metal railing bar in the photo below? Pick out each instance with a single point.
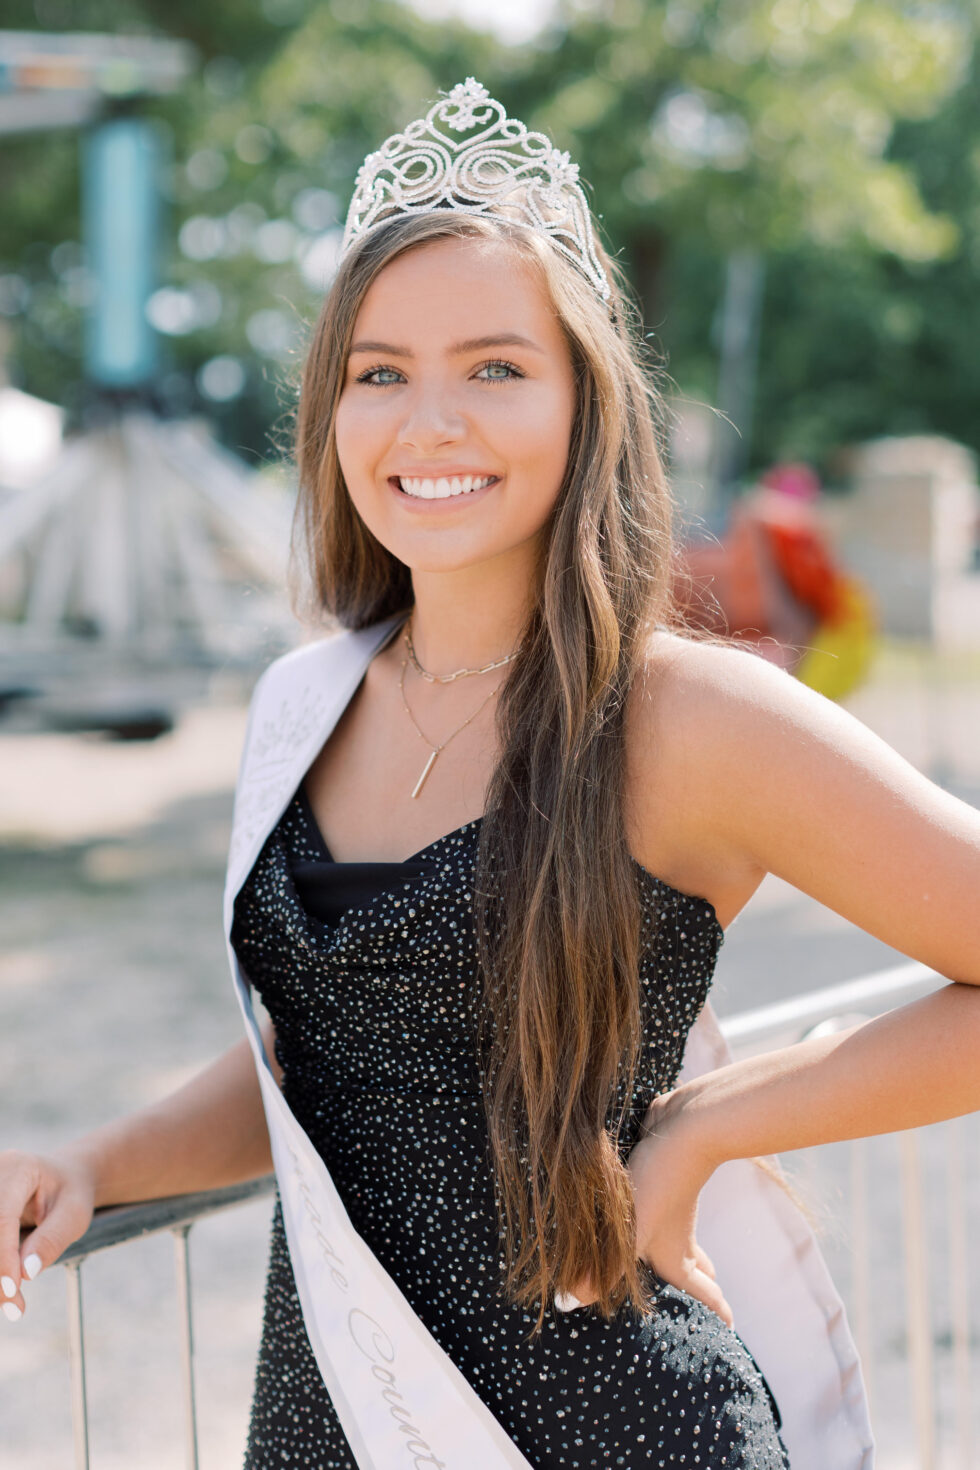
(959, 1300)
(918, 1325)
(119, 1223)
(76, 1362)
(182, 1264)
(861, 1268)
(899, 983)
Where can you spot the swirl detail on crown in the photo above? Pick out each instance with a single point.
(503, 169)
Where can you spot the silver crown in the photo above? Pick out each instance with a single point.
(503, 170)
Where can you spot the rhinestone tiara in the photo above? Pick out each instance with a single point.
(501, 170)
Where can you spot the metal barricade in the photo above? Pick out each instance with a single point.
(121, 1223)
(835, 1008)
(817, 1012)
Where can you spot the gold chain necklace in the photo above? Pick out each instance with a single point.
(436, 749)
(460, 673)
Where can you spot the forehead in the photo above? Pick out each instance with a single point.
(460, 288)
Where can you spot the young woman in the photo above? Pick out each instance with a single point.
(486, 915)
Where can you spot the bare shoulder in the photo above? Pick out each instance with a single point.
(732, 714)
(736, 766)
(691, 691)
(685, 667)
(695, 712)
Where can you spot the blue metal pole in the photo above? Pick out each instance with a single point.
(120, 212)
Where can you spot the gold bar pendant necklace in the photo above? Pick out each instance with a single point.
(436, 750)
(427, 768)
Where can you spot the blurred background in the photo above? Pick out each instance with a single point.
(794, 189)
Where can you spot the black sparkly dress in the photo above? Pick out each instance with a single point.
(368, 972)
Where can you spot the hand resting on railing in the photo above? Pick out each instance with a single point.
(210, 1132)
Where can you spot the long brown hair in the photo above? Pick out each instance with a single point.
(557, 908)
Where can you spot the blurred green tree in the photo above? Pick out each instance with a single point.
(883, 343)
(799, 129)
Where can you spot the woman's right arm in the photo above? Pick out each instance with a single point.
(208, 1133)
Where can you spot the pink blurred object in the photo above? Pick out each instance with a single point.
(799, 480)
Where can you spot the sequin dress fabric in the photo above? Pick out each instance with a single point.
(375, 1012)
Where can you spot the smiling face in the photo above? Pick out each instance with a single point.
(455, 417)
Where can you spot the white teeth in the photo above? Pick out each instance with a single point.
(443, 488)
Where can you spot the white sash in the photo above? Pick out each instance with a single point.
(400, 1399)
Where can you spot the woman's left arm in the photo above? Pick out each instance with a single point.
(778, 778)
(804, 790)
(914, 1065)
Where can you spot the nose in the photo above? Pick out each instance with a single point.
(430, 419)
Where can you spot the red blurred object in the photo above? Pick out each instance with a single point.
(773, 580)
(805, 562)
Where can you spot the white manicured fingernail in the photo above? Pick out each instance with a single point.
(8, 1286)
(565, 1301)
(12, 1312)
(32, 1266)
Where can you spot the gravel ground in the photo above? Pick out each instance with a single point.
(114, 990)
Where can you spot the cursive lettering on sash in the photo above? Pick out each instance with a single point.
(375, 1343)
(335, 1263)
(367, 1334)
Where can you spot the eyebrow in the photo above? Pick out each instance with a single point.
(472, 344)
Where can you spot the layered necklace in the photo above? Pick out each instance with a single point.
(436, 750)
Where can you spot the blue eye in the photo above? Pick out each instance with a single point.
(368, 376)
(507, 373)
(509, 369)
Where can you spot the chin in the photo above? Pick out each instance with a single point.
(446, 559)
(445, 549)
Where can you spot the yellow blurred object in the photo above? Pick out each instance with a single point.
(839, 653)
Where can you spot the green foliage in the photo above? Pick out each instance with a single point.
(839, 137)
(858, 344)
(757, 124)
